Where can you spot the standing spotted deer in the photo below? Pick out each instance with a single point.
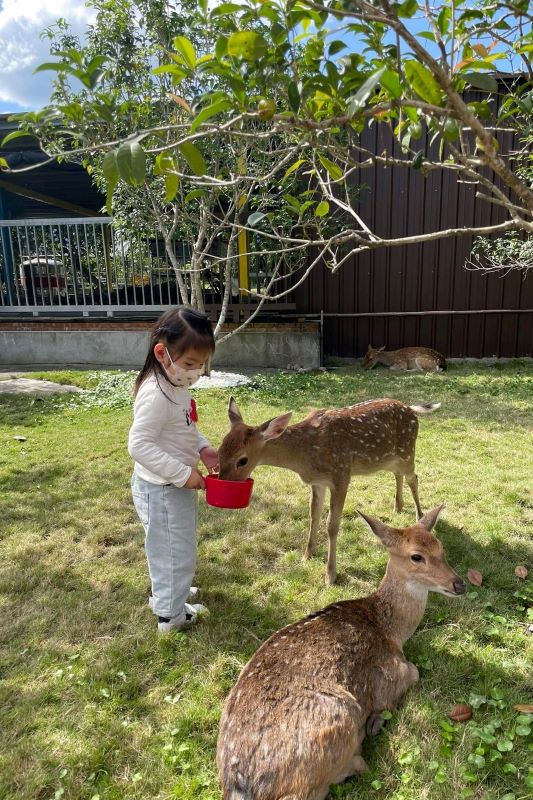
(295, 720)
(326, 449)
(421, 359)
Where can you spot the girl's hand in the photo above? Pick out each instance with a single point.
(195, 480)
(209, 457)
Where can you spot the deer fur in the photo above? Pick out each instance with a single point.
(326, 449)
(294, 722)
(422, 359)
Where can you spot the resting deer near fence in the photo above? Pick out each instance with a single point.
(326, 449)
(295, 720)
(421, 359)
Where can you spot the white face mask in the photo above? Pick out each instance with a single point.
(180, 377)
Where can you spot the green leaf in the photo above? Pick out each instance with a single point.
(172, 183)
(254, 218)
(407, 8)
(481, 81)
(3, 164)
(443, 20)
(248, 45)
(504, 745)
(523, 730)
(131, 162)
(477, 700)
(332, 169)
(358, 100)
(185, 48)
(293, 168)
(163, 164)
(293, 96)
(194, 194)
(225, 8)
(292, 201)
(193, 157)
(110, 166)
(376, 784)
(322, 209)
(221, 47)
(391, 82)
(56, 66)
(208, 112)
(423, 82)
(335, 47)
(14, 135)
(178, 74)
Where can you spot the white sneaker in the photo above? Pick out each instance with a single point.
(193, 591)
(191, 614)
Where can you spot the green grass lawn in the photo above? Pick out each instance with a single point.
(94, 704)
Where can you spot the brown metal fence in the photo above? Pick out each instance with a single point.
(421, 278)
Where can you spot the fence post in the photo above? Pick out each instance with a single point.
(8, 266)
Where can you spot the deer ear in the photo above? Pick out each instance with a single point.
(429, 519)
(233, 412)
(382, 348)
(275, 427)
(388, 536)
(369, 348)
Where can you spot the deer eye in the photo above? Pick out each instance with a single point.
(242, 461)
(417, 558)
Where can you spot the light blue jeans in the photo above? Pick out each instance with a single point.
(169, 516)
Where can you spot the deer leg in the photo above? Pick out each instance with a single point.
(316, 504)
(398, 501)
(412, 482)
(338, 496)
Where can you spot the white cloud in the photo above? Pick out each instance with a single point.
(21, 48)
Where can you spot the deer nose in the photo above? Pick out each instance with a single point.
(459, 586)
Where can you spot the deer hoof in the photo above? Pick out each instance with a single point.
(374, 724)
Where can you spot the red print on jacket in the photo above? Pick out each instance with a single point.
(193, 413)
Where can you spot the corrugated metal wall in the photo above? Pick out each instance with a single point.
(432, 276)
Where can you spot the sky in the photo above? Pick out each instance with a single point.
(21, 48)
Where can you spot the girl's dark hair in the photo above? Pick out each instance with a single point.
(179, 329)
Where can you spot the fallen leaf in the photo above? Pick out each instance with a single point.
(19, 438)
(524, 708)
(475, 577)
(461, 712)
(521, 572)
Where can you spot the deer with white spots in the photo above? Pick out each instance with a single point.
(326, 449)
(421, 359)
(295, 721)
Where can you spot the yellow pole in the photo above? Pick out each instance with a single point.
(242, 242)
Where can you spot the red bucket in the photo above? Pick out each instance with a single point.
(228, 494)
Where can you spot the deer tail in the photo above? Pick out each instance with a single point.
(425, 408)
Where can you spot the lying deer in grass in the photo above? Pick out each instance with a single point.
(295, 720)
(326, 449)
(423, 359)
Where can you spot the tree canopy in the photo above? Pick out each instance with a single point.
(261, 104)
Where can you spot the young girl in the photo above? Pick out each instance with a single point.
(166, 446)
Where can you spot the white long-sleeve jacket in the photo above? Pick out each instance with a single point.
(164, 441)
